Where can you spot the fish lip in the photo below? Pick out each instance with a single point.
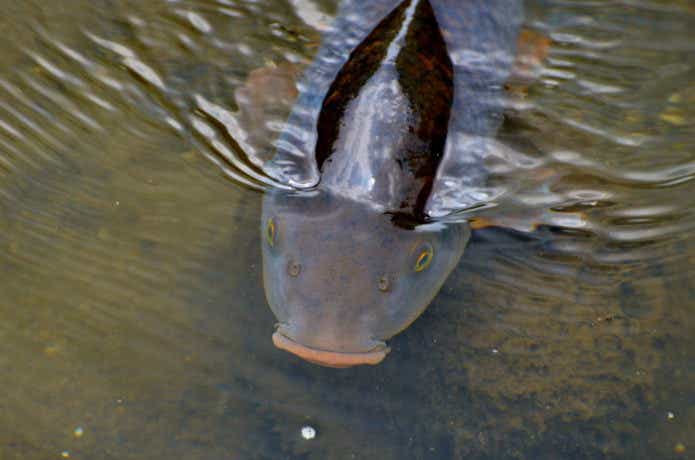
(330, 358)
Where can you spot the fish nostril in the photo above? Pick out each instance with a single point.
(384, 283)
(294, 268)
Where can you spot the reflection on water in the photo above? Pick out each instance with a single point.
(134, 323)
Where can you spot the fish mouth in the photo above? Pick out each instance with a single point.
(330, 358)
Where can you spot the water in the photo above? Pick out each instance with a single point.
(133, 319)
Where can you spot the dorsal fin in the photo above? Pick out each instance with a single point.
(383, 122)
(364, 61)
(481, 36)
(294, 162)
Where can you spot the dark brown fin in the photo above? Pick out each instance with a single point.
(364, 61)
(425, 74)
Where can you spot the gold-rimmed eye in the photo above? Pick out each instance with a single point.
(270, 232)
(425, 254)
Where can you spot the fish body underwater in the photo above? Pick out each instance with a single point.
(392, 112)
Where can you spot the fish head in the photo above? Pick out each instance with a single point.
(341, 278)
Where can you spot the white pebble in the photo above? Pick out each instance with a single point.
(308, 432)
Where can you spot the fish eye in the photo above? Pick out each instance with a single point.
(424, 255)
(270, 232)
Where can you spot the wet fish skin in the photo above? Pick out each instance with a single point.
(354, 258)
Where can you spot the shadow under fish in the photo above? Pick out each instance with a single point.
(354, 255)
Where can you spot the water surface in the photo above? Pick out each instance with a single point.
(133, 319)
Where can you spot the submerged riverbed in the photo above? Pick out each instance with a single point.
(134, 323)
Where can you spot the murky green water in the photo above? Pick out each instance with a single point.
(132, 316)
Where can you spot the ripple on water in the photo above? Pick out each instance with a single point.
(132, 304)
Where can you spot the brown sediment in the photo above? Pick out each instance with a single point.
(329, 358)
